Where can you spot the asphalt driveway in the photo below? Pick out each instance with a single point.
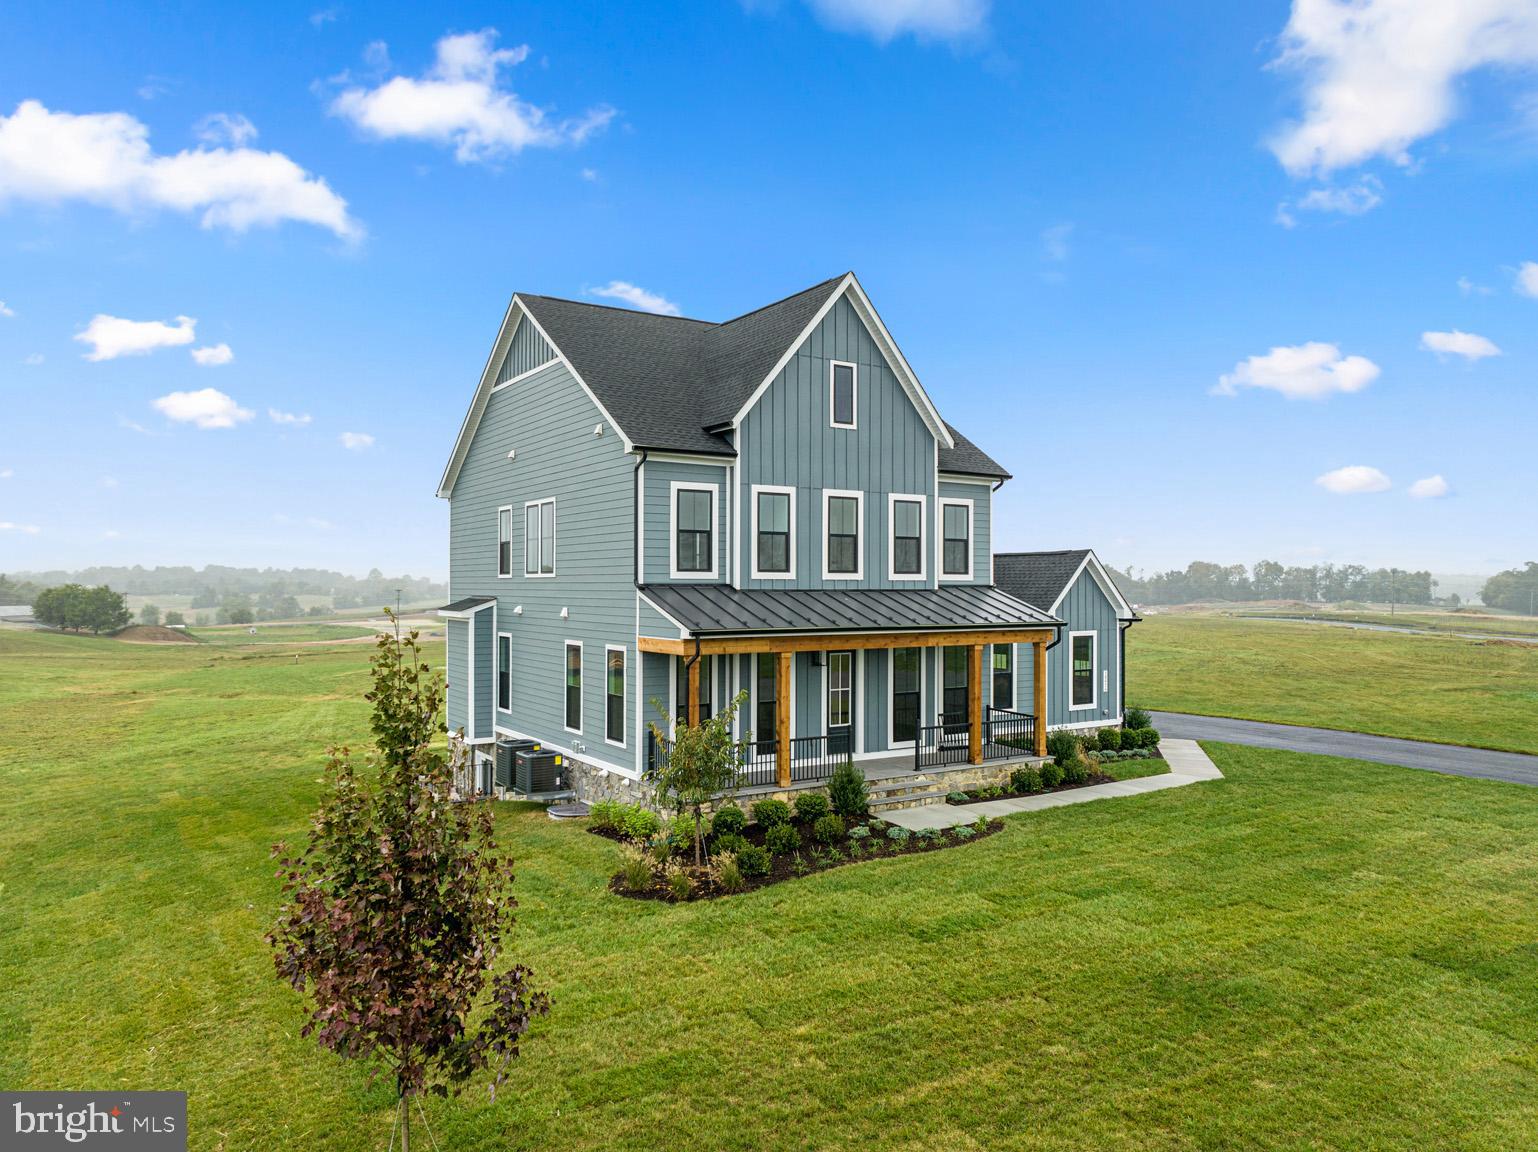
(1456, 761)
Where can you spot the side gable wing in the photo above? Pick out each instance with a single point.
(1101, 577)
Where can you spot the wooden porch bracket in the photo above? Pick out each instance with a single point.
(1039, 686)
(975, 704)
(782, 721)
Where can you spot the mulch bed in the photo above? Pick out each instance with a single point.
(975, 797)
(811, 858)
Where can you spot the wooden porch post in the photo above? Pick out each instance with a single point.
(782, 720)
(975, 704)
(1039, 684)
(694, 690)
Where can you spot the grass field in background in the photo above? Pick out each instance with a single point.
(1438, 688)
(1431, 621)
(241, 634)
(1309, 953)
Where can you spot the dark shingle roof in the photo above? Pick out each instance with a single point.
(1038, 578)
(720, 609)
(468, 603)
(667, 380)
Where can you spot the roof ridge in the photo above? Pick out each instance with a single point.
(614, 308)
(783, 299)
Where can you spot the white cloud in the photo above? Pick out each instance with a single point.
(460, 101)
(105, 159)
(324, 16)
(278, 417)
(112, 336)
(1054, 241)
(885, 20)
(637, 297)
(590, 174)
(6, 312)
(1352, 200)
(109, 481)
(213, 355)
(111, 534)
(356, 441)
(29, 529)
(1352, 479)
(1309, 371)
(1378, 75)
(1430, 488)
(7, 473)
(206, 408)
(1527, 279)
(1468, 288)
(33, 360)
(225, 128)
(1456, 343)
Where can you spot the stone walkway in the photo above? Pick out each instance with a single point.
(1188, 765)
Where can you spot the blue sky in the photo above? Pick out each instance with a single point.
(1176, 267)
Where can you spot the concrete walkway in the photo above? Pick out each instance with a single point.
(1449, 758)
(1188, 765)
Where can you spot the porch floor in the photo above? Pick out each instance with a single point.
(894, 766)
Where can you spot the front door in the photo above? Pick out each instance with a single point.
(840, 703)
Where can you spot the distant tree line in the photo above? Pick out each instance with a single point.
(78, 608)
(17, 591)
(1268, 580)
(1515, 589)
(212, 584)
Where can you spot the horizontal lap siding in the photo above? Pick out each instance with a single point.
(455, 665)
(654, 623)
(659, 477)
(786, 439)
(549, 420)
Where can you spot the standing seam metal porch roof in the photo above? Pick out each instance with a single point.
(721, 610)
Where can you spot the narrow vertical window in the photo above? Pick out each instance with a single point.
(505, 672)
(614, 716)
(539, 538)
(843, 544)
(766, 727)
(906, 681)
(547, 538)
(504, 542)
(954, 699)
(773, 532)
(957, 539)
(907, 538)
(840, 689)
(693, 517)
(843, 399)
(1082, 685)
(1003, 676)
(574, 687)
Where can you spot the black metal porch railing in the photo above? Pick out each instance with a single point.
(941, 744)
(811, 758)
(1007, 733)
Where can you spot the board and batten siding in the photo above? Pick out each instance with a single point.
(528, 351)
(981, 497)
(1085, 608)
(786, 439)
(658, 478)
(549, 420)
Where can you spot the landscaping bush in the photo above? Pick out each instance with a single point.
(728, 873)
(604, 814)
(828, 829)
(637, 823)
(1051, 775)
(770, 813)
(847, 792)
(981, 826)
(1075, 772)
(898, 834)
(811, 806)
(1062, 746)
(1025, 779)
(957, 797)
(1148, 738)
(680, 883)
(731, 842)
(636, 872)
(1137, 719)
(861, 832)
(965, 832)
(680, 835)
(782, 839)
(727, 819)
(1109, 740)
(753, 860)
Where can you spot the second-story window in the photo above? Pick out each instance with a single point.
(843, 385)
(841, 550)
(773, 526)
(539, 538)
(504, 541)
(956, 538)
(694, 538)
(907, 537)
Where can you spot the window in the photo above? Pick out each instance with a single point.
(772, 528)
(843, 388)
(907, 676)
(505, 541)
(573, 686)
(1004, 676)
(614, 697)
(681, 691)
(1081, 649)
(842, 513)
(906, 514)
(766, 684)
(956, 537)
(840, 689)
(505, 672)
(694, 551)
(954, 701)
(539, 538)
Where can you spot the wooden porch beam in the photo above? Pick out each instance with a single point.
(1039, 686)
(694, 692)
(782, 722)
(975, 704)
(838, 641)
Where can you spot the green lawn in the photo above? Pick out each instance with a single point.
(241, 634)
(1432, 621)
(1438, 688)
(1311, 953)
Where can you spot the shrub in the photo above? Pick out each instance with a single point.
(1051, 775)
(782, 839)
(731, 843)
(771, 813)
(1075, 772)
(898, 834)
(1025, 779)
(680, 835)
(728, 818)
(753, 860)
(637, 823)
(810, 806)
(1109, 740)
(636, 871)
(878, 826)
(847, 792)
(828, 829)
(929, 835)
(965, 832)
(1149, 737)
(604, 815)
(957, 797)
(1137, 718)
(981, 826)
(1062, 746)
(680, 883)
(859, 832)
(727, 873)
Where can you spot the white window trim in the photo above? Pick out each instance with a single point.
(940, 572)
(827, 686)
(859, 527)
(833, 366)
(496, 673)
(674, 489)
(891, 682)
(554, 559)
(508, 575)
(566, 647)
(1014, 675)
(782, 490)
(891, 535)
(625, 652)
(1094, 670)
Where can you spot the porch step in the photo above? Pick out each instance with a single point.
(917, 799)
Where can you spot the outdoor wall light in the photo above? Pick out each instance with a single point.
(597, 429)
(565, 614)
(511, 452)
(518, 610)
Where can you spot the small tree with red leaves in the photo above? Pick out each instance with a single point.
(398, 907)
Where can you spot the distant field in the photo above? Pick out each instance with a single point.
(1479, 693)
(242, 634)
(1432, 621)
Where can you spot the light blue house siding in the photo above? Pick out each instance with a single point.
(1085, 608)
(456, 658)
(980, 496)
(786, 439)
(528, 351)
(659, 478)
(547, 421)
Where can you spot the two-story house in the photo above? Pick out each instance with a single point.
(657, 511)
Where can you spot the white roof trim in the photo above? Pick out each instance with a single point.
(1107, 585)
(468, 613)
(851, 286)
(516, 311)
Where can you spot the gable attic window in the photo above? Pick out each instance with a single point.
(843, 388)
